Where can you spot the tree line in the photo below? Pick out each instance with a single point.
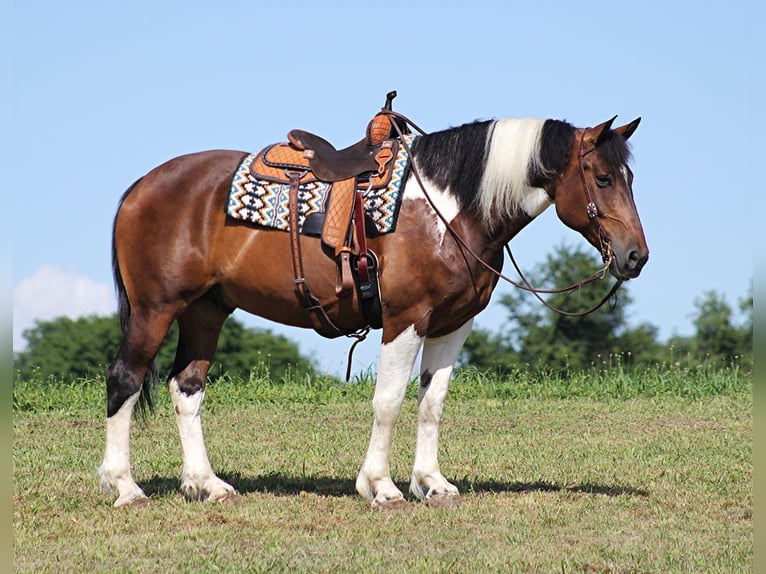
(72, 349)
(534, 336)
(537, 336)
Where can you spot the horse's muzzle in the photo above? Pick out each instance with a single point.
(628, 264)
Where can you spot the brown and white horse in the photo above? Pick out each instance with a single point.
(177, 257)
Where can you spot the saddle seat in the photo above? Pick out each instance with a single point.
(369, 155)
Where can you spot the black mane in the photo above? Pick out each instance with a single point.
(556, 142)
(454, 159)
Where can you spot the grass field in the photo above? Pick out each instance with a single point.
(604, 471)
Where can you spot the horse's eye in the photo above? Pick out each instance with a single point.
(604, 180)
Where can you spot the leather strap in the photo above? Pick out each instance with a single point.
(361, 237)
(590, 206)
(344, 284)
(311, 306)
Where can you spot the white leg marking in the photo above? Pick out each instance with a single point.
(394, 369)
(114, 472)
(438, 359)
(197, 478)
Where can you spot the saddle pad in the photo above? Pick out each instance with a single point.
(265, 203)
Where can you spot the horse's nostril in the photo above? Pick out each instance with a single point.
(636, 259)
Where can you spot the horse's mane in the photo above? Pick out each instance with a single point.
(454, 159)
(490, 166)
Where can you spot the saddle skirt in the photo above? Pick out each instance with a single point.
(260, 189)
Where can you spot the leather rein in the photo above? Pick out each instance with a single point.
(592, 211)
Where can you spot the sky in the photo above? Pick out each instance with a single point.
(102, 92)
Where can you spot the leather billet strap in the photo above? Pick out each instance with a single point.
(311, 306)
(361, 237)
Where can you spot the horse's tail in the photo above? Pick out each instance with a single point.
(148, 389)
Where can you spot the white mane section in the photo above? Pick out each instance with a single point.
(513, 149)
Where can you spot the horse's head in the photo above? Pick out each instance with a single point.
(594, 196)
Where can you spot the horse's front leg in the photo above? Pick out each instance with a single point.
(439, 355)
(394, 369)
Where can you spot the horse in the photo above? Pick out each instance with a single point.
(176, 256)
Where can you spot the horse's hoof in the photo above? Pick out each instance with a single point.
(390, 505)
(135, 502)
(444, 501)
(229, 498)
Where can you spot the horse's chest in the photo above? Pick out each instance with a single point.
(456, 298)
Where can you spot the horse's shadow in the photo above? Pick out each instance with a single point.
(279, 484)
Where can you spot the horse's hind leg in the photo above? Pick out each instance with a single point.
(124, 379)
(439, 356)
(200, 326)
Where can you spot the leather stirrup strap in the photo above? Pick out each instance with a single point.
(344, 284)
(361, 237)
(311, 306)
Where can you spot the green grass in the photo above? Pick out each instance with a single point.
(604, 471)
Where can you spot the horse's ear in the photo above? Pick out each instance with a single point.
(594, 135)
(627, 130)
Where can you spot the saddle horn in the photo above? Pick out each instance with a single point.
(401, 124)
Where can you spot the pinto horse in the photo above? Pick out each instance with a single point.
(178, 257)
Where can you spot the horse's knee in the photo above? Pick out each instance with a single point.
(187, 396)
(386, 407)
(187, 388)
(189, 384)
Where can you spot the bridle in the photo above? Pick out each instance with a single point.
(590, 207)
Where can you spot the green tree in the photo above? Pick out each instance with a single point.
(639, 346)
(70, 349)
(77, 348)
(241, 349)
(746, 330)
(555, 341)
(716, 334)
(485, 350)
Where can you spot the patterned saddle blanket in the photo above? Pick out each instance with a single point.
(259, 193)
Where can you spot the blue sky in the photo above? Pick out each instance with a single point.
(101, 92)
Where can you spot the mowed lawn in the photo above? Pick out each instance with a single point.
(644, 481)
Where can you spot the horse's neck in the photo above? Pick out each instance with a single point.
(507, 230)
(483, 245)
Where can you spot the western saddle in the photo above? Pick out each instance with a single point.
(367, 164)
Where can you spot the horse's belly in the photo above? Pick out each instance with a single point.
(260, 278)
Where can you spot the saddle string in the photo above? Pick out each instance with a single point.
(606, 250)
(360, 335)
